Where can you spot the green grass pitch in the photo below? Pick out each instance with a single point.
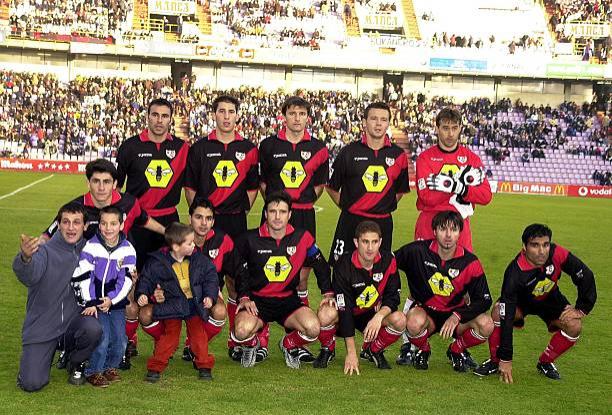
(581, 225)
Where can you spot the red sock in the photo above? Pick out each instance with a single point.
(303, 296)
(365, 345)
(560, 342)
(155, 329)
(264, 335)
(130, 330)
(421, 341)
(250, 342)
(326, 337)
(468, 339)
(231, 316)
(495, 340)
(213, 327)
(386, 337)
(296, 339)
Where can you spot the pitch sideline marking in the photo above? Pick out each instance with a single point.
(14, 192)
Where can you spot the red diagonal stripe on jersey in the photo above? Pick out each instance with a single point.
(472, 271)
(369, 200)
(227, 245)
(221, 193)
(311, 166)
(155, 195)
(276, 289)
(131, 217)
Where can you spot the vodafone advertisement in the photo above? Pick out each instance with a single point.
(47, 166)
(547, 189)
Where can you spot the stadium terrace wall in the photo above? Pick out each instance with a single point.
(527, 188)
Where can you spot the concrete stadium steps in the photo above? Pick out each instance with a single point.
(352, 27)
(141, 11)
(204, 19)
(401, 139)
(411, 24)
(181, 126)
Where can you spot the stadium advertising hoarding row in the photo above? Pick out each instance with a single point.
(172, 7)
(546, 189)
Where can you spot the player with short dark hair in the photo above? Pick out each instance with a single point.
(222, 168)
(368, 178)
(440, 272)
(530, 286)
(367, 287)
(273, 256)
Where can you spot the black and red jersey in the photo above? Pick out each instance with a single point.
(271, 268)
(359, 290)
(154, 172)
(434, 160)
(125, 202)
(223, 173)
(524, 284)
(294, 168)
(442, 285)
(369, 180)
(219, 248)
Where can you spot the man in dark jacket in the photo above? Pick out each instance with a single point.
(52, 313)
(191, 285)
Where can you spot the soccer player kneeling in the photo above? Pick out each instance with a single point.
(367, 287)
(531, 287)
(440, 272)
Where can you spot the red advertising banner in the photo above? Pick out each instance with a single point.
(548, 189)
(52, 166)
(590, 191)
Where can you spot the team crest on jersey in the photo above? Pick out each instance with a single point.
(441, 285)
(462, 159)
(225, 173)
(377, 276)
(171, 154)
(292, 174)
(340, 301)
(240, 155)
(277, 268)
(367, 298)
(375, 179)
(390, 161)
(543, 287)
(158, 173)
(305, 155)
(421, 184)
(453, 273)
(550, 269)
(291, 250)
(213, 253)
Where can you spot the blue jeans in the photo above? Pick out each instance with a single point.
(112, 344)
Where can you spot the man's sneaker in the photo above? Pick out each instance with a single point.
(188, 355)
(305, 355)
(125, 362)
(325, 356)
(235, 353)
(377, 358)
(249, 355)
(488, 367)
(205, 374)
(405, 356)
(152, 377)
(112, 375)
(420, 360)
(365, 355)
(549, 370)
(76, 375)
(292, 358)
(62, 360)
(470, 363)
(98, 380)
(457, 360)
(131, 349)
(261, 354)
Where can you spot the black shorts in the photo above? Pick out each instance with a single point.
(234, 224)
(361, 321)
(146, 241)
(438, 318)
(345, 233)
(300, 219)
(277, 309)
(548, 309)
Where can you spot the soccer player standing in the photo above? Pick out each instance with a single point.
(368, 178)
(530, 286)
(449, 177)
(223, 169)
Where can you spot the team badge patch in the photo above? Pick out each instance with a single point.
(292, 174)
(390, 161)
(340, 300)
(462, 159)
(375, 179)
(225, 173)
(213, 253)
(550, 269)
(277, 268)
(158, 173)
(421, 184)
(291, 250)
(170, 154)
(240, 156)
(452, 272)
(305, 155)
(377, 276)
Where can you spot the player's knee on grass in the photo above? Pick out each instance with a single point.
(396, 320)
(327, 315)
(416, 321)
(218, 311)
(245, 326)
(145, 315)
(484, 325)
(311, 327)
(132, 311)
(572, 328)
